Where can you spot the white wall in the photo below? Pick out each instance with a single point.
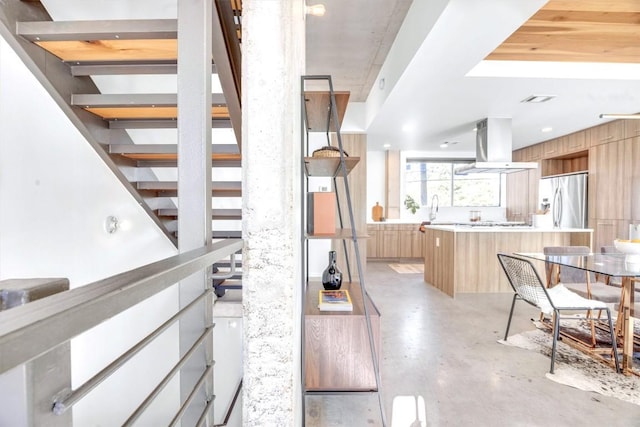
(55, 194)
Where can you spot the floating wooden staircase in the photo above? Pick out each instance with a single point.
(65, 56)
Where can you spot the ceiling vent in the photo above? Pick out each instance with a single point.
(537, 99)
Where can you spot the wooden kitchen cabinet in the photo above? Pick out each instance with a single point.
(389, 241)
(634, 191)
(550, 148)
(372, 242)
(610, 171)
(393, 241)
(577, 141)
(517, 195)
(410, 245)
(606, 133)
(631, 128)
(605, 231)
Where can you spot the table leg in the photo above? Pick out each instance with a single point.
(627, 328)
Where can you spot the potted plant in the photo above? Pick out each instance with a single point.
(411, 204)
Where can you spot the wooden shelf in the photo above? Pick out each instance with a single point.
(328, 166)
(338, 353)
(317, 107)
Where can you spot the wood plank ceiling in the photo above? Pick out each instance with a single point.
(577, 31)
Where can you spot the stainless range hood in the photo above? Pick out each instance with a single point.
(493, 149)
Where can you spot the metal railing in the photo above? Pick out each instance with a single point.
(30, 331)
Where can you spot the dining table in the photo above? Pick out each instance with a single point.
(607, 264)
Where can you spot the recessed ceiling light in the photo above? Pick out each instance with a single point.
(444, 144)
(386, 146)
(408, 127)
(536, 99)
(547, 129)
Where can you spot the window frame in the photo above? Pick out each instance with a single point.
(453, 162)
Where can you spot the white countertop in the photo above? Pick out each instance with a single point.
(505, 229)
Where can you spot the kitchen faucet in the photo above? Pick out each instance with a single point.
(432, 210)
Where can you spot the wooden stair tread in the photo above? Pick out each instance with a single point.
(173, 185)
(216, 213)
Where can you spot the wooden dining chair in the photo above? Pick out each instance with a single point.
(528, 287)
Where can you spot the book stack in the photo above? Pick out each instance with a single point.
(338, 300)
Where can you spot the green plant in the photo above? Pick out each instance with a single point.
(411, 204)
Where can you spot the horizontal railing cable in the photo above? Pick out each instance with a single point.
(193, 393)
(167, 378)
(31, 330)
(66, 402)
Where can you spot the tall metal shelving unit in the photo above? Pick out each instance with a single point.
(324, 103)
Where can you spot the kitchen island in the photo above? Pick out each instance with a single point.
(462, 258)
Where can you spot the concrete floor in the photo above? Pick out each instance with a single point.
(443, 352)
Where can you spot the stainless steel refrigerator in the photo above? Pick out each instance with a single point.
(566, 198)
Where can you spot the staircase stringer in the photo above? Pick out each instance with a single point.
(56, 78)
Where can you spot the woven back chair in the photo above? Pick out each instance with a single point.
(528, 286)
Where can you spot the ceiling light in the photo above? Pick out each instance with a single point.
(620, 116)
(444, 144)
(386, 146)
(547, 129)
(536, 99)
(409, 127)
(315, 10)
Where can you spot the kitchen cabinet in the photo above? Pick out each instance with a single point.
(533, 153)
(611, 155)
(550, 148)
(517, 196)
(567, 154)
(607, 230)
(372, 241)
(631, 128)
(389, 241)
(606, 133)
(577, 141)
(610, 171)
(463, 259)
(394, 241)
(410, 244)
(566, 163)
(634, 191)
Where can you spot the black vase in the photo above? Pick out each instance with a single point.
(331, 276)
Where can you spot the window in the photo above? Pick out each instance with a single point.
(424, 179)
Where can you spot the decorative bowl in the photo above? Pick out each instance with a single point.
(630, 248)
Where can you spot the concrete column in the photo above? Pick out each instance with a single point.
(272, 64)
